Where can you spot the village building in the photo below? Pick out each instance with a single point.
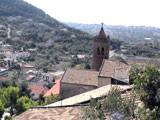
(37, 90)
(4, 75)
(13, 56)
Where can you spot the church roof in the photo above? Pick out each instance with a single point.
(102, 33)
(84, 77)
(114, 69)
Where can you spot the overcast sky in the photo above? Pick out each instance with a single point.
(110, 12)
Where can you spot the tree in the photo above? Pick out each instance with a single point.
(1, 109)
(51, 99)
(113, 103)
(87, 66)
(11, 95)
(147, 87)
(14, 75)
(93, 112)
(24, 103)
(23, 89)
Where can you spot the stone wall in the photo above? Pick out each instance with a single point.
(68, 89)
(102, 81)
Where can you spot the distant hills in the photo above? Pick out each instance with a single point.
(37, 28)
(136, 40)
(123, 33)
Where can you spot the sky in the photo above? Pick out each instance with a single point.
(110, 12)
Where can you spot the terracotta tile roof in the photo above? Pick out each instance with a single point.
(5, 78)
(9, 53)
(29, 77)
(84, 97)
(85, 77)
(54, 90)
(59, 113)
(114, 69)
(37, 90)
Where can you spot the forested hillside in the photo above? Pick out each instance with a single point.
(32, 28)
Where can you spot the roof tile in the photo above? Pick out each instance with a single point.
(85, 77)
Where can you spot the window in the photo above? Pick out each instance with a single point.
(102, 51)
(98, 50)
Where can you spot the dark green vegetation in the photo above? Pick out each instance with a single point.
(10, 97)
(144, 49)
(17, 97)
(147, 87)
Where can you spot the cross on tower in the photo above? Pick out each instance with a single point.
(102, 24)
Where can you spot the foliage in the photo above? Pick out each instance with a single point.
(9, 96)
(5, 84)
(147, 87)
(15, 74)
(1, 109)
(23, 90)
(146, 114)
(92, 112)
(24, 103)
(146, 84)
(7, 117)
(51, 99)
(113, 103)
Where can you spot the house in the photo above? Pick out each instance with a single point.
(48, 77)
(27, 67)
(37, 90)
(23, 54)
(15, 56)
(4, 75)
(19, 33)
(30, 78)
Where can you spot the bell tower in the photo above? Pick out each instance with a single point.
(101, 49)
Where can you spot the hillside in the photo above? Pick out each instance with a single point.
(124, 33)
(31, 28)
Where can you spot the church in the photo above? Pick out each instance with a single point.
(103, 72)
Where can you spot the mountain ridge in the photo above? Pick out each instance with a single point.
(124, 33)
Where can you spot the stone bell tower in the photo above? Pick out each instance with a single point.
(101, 49)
